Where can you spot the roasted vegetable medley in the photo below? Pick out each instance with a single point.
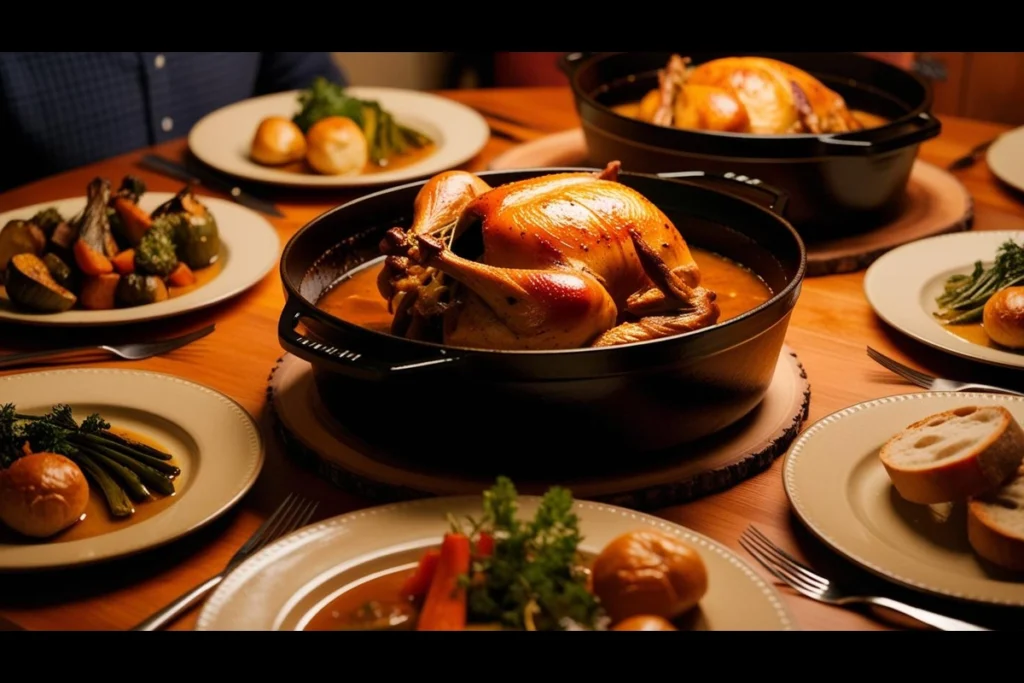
(114, 254)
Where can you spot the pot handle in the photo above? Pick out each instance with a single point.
(571, 61)
(778, 198)
(922, 127)
(357, 362)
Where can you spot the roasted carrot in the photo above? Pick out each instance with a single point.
(124, 262)
(98, 292)
(417, 585)
(90, 261)
(445, 606)
(181, 276)
(135, 220)
(484, 545)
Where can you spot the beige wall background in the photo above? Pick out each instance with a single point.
(417, 70)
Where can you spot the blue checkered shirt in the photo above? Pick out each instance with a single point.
(60, 110)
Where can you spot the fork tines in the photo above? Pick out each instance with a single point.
(781, 564)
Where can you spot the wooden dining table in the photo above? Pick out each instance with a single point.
(829, 331)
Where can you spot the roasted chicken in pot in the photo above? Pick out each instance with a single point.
(561, 261)
(745, 95)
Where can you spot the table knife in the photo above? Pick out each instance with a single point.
(197, 176)
(970, 158)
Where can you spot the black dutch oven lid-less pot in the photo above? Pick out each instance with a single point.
(356, 350)
(600, 81)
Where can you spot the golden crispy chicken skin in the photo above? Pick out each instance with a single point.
(745, 95)
(568, 260)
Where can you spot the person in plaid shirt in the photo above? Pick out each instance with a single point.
(61, 110)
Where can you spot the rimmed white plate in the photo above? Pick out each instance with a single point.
(1005, 158)
(214, 441)
(840, 491)
(281, 587)
(249, 250)
(222, 139)
(902, 285)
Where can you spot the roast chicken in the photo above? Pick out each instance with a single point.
(567, 260)
(745, 95)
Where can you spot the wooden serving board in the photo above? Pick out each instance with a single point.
(936, 203)
(314, 439)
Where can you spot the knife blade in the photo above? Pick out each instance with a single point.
(196, 176)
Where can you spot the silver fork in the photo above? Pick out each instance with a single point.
(805, 581)
(86, 353)
(930, 383)
(294, 513)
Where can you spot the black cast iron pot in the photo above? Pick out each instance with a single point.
(837, 184)
(577, 410)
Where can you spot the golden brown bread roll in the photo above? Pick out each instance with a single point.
(1003, 317)
(277, 141)
(42, 494)
(648, 573)
(336, 146)
(644, 622)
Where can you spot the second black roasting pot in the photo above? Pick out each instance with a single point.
(837, 184)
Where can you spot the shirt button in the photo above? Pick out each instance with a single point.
(167, 123)
(159, 61)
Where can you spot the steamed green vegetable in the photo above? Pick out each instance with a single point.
(384, 136)
(124, 471)
(964, 296)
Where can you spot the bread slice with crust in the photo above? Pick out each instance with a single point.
(995, 524)
(954, 455)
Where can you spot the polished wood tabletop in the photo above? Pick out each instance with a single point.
(830, 329)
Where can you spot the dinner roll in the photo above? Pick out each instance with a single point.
(644, 622)
(1004, 317)
(995, 524)
(336, 146)
(648, 573)
(277, 141)
(42, 494)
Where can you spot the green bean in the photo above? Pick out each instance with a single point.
(130, 481)
(156, 463)
(117, 500)
(148, 450)
(145, 474)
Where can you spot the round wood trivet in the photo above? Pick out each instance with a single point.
(936, 203)
(317, 441)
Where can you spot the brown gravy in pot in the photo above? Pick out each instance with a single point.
(97, 519)
(356, 299)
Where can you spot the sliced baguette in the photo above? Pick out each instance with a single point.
(995, 525)
(954, 455)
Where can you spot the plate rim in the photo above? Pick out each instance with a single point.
(54, 320)
(1014, 135)
(950, 343)
(339, 182)
(792, 457)
(230, 586)
(246, 418)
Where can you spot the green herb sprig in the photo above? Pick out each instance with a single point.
(534, 578)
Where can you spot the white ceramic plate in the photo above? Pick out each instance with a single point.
(1005, 158)
(214, 441)
(222, 139)
(902, 285)
(282, 586)
(249, 250)
(839, 489)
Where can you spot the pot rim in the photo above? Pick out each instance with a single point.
(293, 294)
(839, 142)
